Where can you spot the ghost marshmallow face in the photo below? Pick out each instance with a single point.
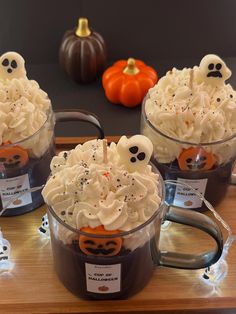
(12, 65)
(44, 228)
(213, 70)
(135, 152)
(5, 249)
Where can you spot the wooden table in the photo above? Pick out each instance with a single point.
(33, 287)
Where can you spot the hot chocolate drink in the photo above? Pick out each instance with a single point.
(26, 137)
(190, 117)
(214, 193)
(70, 260)
(100, 200)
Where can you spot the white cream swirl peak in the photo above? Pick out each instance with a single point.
(24, 107)
(118, 191)
(192, 105)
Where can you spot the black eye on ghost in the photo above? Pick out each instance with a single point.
(10, 66)
(134, 151)
(214, 70)
(4, 249)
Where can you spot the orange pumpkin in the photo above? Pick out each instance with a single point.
(196, 159)
(100, 246)
(13, 157)
(127, 82)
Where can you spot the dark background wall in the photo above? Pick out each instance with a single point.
(142, 28)
(164, 33)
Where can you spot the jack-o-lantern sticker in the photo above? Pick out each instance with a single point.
(13, 157)
(100, 246)
(196, 159)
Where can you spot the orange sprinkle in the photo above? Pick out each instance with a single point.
(106, 174)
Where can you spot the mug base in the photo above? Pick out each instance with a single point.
(70, 264)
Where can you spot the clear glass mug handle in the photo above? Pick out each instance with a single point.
(233, 178)
(192, 261)
(233, 175)
(79, 115)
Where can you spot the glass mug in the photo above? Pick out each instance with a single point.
(26, 164)
(117, 266)
(196, 165)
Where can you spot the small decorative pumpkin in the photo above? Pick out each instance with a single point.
(103, 288)
(196, 159)
(13, 157)
(82, 53)
(127, 82)
(100, 246)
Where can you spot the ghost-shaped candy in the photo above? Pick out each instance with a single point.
(12, 65)
(134, 152)
(213, 70)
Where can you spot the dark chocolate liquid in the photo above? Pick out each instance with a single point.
(217, 181)
(38, 170)
(136, 268)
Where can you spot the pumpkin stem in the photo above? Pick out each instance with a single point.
(83, 28)
(131, 68)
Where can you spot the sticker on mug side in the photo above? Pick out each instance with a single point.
(186, 198)
(103, 278)
(11, 187)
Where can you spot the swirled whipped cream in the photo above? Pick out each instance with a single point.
(119, 193)
(24, 107)
(193, 105)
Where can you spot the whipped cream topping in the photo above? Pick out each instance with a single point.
(193, 105)
(24, 107)
(85, 191)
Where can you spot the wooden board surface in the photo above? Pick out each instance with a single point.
(33, 287)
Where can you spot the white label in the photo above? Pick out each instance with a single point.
(186, 198)
(103, 278)
(11, 187)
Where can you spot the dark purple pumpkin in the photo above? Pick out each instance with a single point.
(82, 53)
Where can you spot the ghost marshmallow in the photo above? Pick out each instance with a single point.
(44, 228)
(134, 152)
(213, 70)
(5, 249)
(12, 65)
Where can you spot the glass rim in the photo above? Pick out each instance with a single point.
(175, 139)
(122, 233)
(49, 113)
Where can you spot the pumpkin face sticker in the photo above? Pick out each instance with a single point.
(99, 246)
(13, 157)
(196, 159)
